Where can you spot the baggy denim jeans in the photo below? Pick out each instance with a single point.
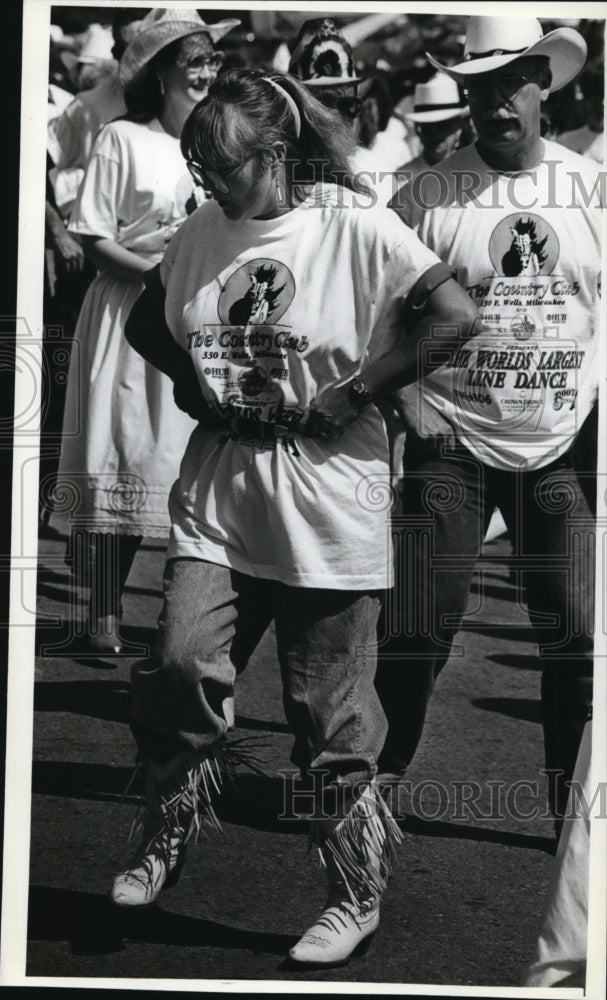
(212, 620)
(448, 499)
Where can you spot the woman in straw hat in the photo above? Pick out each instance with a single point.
(137, 190)
(277, 311)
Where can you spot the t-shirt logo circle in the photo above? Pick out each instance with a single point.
(523, 245)
(523, 327)
(259, 291)
(252, 381)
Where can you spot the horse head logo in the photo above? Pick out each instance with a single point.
(526, 254)
(260, 299)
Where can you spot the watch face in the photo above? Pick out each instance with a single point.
(358, 394)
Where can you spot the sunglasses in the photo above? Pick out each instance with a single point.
(506, 86)
(196, 64)
(349, 107)
(214, 180)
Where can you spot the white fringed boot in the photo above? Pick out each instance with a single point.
(358, 857)
(179, 806)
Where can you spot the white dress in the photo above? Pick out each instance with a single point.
(123, 436)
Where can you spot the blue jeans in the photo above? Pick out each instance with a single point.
(210, 624)
(449, 497)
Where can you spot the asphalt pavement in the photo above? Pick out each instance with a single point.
(464, 902)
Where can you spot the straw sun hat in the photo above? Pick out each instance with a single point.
(438, 100)
(161, 27)
(493, 42)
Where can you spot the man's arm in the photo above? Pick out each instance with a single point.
(446, 319)
(69, 250)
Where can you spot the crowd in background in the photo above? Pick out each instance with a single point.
(389, 55)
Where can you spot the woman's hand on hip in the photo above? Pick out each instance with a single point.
(330, 413)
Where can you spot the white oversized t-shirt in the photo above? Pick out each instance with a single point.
(138, 189)
(272, 312)
(527, 250)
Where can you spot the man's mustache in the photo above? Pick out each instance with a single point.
(497, 114)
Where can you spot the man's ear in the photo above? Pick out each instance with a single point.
(545, 82)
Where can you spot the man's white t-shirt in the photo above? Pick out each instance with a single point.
(585, 141)
(272, 312)
(527, 250)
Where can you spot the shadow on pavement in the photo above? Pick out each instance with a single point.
(96, 782)
(55, 593)
(514, 708)
(260, 803)
(505, 633)
(246, 722)
(142, 591)
(61, 642)
(504, 593)
(253, 801)
(93, 926)
(518, 661)
(108, 700)
(438, 828)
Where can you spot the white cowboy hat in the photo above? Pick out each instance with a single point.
(96, 48)
(438, 100)
(161, 27)
(492, 42)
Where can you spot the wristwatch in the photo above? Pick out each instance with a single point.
(358, 396)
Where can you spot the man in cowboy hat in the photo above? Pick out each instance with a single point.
(438, 115)
(494, 424)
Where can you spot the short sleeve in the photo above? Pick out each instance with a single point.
(63, 139)
(436, 275)
(103, 190)
(407, 260)
(405, 206)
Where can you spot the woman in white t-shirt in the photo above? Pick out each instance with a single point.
(277, 311)
(122, 437)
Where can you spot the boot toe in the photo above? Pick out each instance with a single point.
(340, 933)
(129, 889)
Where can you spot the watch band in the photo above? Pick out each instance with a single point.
(358, 395)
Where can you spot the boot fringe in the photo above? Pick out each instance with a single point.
(362, 848)
(184, 800)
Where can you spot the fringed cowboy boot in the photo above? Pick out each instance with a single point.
(158, 860)
(358, 856)
(179, 807)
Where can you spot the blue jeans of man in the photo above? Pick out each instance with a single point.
(448, 499)
(212, 620)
